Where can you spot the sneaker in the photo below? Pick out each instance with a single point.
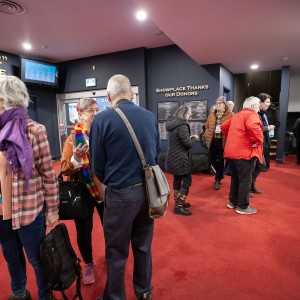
(26, 297)
(250, 195)
(246, 211)
(88, 276)
(231, 205)
(255, 190)
(217, 185)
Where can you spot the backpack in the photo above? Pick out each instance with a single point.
(60, 263)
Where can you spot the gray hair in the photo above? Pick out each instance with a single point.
(119, 86)
(182, 112)
(13, 91)
(230, 103)
(251, 101)
(84, 103)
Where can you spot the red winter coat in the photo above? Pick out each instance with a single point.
(243, 131)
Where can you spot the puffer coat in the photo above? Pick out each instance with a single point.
(179, 157)
(210, 126)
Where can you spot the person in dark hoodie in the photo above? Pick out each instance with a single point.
(179, 158)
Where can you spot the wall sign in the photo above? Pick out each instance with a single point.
(182, 91)
(2, 59)
(90, 82)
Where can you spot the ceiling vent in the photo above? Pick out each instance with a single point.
(11, 7)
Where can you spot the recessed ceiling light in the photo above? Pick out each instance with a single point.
(141, 15)
(254, 67)
(285, 58)
(27, 46)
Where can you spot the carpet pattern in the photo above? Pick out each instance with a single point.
(215, 253)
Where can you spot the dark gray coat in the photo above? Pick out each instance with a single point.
(179, 157)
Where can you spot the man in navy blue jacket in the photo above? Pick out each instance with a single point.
(116, 163)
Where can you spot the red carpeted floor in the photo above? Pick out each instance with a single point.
(215, 253)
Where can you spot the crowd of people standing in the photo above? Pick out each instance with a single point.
(100, 153)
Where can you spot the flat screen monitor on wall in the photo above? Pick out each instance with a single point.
(39, 72)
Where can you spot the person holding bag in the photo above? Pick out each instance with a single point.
(28, 187)
(117, 164)
(75, 164)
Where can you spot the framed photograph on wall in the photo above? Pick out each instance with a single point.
(199, 110)
(196, 128)
(162, 131)
(165, 109)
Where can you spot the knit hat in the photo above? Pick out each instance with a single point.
(221, 98)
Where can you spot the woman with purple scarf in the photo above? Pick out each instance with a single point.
(28, 188)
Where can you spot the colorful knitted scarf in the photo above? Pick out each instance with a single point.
(85, 171)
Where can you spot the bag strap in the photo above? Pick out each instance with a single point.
(132, 134)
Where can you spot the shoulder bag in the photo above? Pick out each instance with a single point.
(157, 186)
(71, 202)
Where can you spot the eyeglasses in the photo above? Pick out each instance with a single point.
(92, 111)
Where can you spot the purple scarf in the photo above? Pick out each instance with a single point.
(13, 139)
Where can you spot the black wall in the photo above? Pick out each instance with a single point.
(254, 83)
(148, 69)
(130, 63)
(170, 67)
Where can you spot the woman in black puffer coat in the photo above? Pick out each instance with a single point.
(179, 157)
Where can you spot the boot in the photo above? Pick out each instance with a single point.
(217, 185)
(179, 209)
(177, 195)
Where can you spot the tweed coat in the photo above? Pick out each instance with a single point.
(179, 157)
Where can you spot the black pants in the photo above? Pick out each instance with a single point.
(256, 172)
(84, 227)
(182, 183)
(126, 220)
(241, 178)
(216, 157)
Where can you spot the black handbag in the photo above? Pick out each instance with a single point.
(71, 202)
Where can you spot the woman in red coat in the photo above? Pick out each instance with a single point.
(243, 147)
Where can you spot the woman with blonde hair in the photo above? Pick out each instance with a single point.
(75, 164)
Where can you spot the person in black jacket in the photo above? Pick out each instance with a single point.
(273, 119)
(296, 131)
(179, 157)
(267, 128)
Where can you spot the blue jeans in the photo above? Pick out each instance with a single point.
(12, 243)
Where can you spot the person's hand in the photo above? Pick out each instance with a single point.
(79, 152)
(51, 220)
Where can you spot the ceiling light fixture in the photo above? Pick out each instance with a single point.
(141, 15)
(27, 46)
(254, 67)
